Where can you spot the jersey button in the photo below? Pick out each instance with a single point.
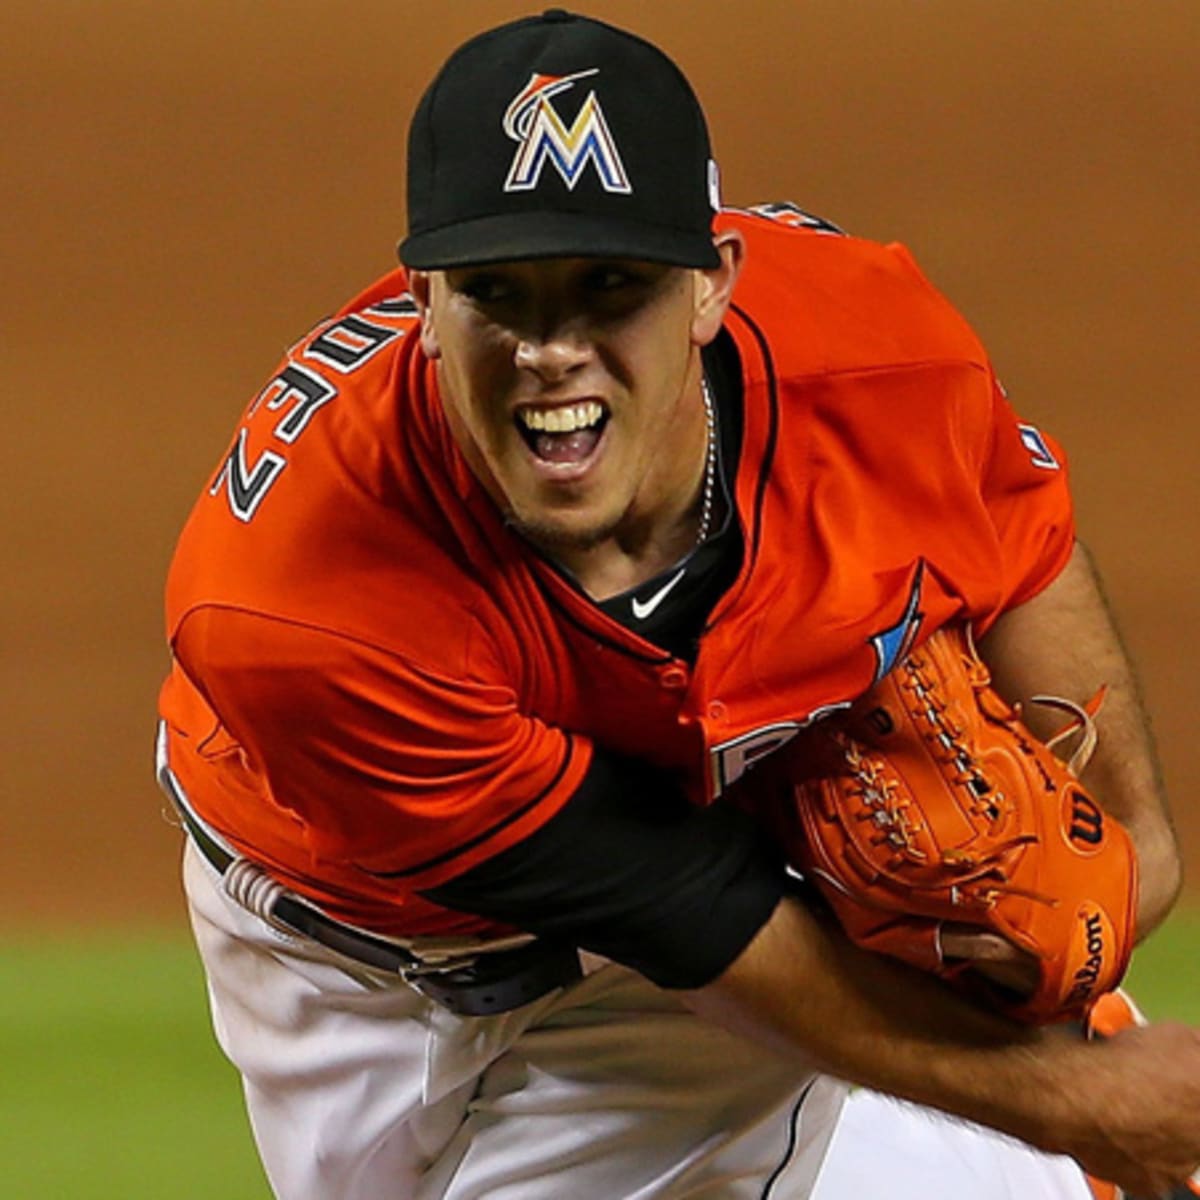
(716, 710)
(674, 679)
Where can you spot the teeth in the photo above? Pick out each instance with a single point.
(562, 420)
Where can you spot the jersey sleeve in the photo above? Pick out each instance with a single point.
(1023, 473)
(1026, 491)
(397, 770)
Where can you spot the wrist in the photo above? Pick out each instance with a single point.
(1032, 1090)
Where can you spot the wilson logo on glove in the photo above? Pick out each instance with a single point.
(1095, 933)
(928, 808)
(1087, 823)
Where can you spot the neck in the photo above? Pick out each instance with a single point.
(642, 549)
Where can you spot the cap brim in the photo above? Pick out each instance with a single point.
(515, 237)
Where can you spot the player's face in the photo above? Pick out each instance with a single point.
(572, 386)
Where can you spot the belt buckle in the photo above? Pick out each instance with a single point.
(486, 988)
(442, 966)
(441, 956)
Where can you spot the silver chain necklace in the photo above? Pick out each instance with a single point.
(710, 462)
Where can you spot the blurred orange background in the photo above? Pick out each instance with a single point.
(191, 185)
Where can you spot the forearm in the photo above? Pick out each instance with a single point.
(1127, 1109)
(1064, 642)
(801, 987)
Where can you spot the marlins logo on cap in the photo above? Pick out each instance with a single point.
(532, 121)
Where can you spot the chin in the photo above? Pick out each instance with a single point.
(559, 535)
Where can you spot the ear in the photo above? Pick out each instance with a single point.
(714, 286)
(420, 284)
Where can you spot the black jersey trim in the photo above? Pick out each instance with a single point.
(760, 491)
(661, 658)
(491, 831)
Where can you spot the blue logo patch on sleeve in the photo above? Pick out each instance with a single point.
(891, 645)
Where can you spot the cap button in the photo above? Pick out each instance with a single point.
(557, 14)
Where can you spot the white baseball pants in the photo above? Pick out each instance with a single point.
(360, 1088)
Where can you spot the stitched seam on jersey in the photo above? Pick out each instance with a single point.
(515, 815)
(313, 627)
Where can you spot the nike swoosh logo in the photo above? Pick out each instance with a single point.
(642, 611)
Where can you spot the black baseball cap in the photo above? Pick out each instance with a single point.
(559, 136)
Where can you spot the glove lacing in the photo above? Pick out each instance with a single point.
(891, 812)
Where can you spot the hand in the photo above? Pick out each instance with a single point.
(1143, 1111)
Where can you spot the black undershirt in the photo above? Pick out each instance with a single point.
(677, 621)
(628, 868)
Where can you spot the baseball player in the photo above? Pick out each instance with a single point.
(514, 568)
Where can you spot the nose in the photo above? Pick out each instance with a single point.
(553, 355)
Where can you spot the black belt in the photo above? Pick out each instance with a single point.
(491, 983)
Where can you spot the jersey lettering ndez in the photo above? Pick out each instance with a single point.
(377, 685)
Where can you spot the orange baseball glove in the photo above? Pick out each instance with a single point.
(929, 807)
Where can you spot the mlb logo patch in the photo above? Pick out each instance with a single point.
(1040, 453)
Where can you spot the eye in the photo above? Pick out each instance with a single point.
(485, 287)
(611, 277)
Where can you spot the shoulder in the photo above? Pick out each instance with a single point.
(852, 359)
(833, 302)
(323, 416)
(342, 346)
(334, 494)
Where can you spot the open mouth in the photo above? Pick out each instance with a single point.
(568, 433)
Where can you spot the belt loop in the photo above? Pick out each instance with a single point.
(248, 885)
(471, 981)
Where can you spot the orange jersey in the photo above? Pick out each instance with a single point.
(378, 685)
